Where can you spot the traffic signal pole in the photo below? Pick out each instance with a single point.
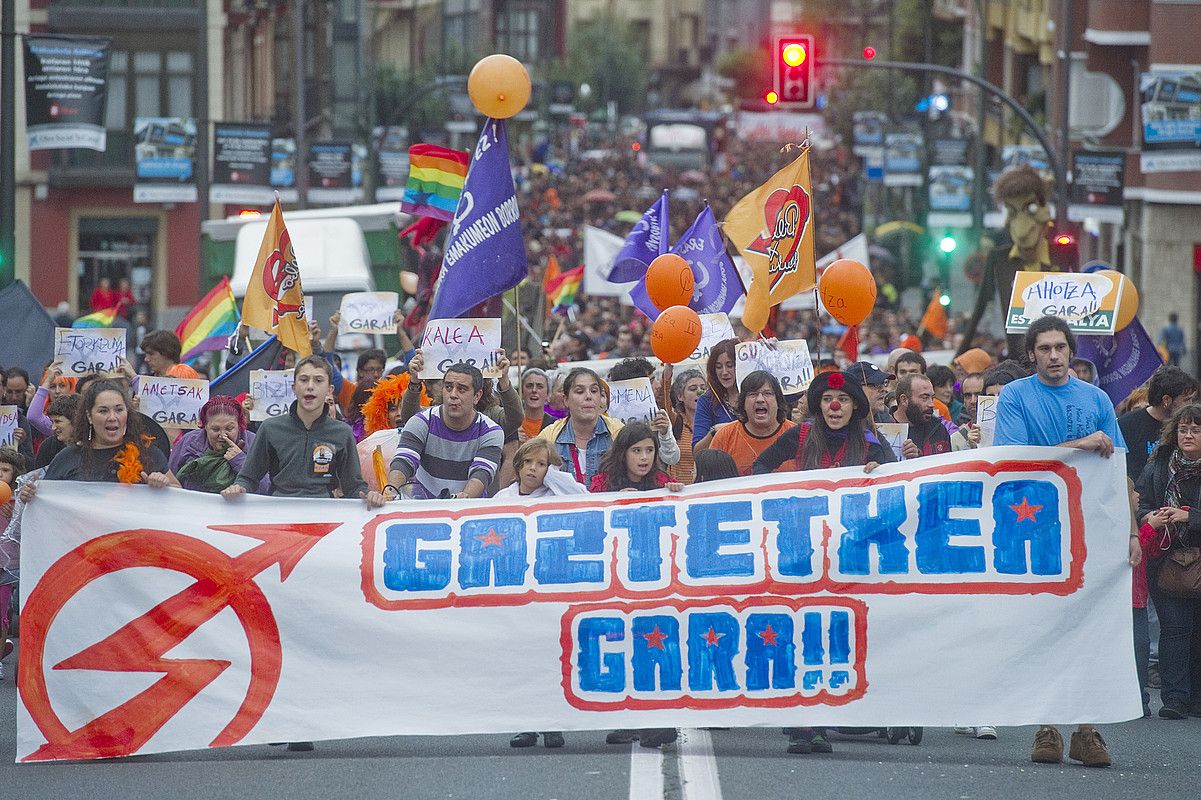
(1053, 159)
(8, 144)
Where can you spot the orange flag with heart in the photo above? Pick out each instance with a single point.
(274, 299)
(773, 229)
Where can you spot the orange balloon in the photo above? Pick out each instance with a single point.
(755, 312)
(1128, 305)
(675, 334)
(498, 86)
(669, 281)
(6, 491)
(848, 291)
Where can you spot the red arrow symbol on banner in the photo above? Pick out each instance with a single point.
(141, 646)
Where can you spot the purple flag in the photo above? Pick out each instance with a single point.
(646, 241)
(718, 286)
(1124, 361)
(485, 254)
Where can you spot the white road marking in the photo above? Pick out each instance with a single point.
(646, 773)
(698, 766)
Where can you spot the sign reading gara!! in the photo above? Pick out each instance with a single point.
(924, 593)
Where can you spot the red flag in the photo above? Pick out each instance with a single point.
(848, 345)
(934, 321)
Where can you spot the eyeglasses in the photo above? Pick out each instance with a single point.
(1189, 430)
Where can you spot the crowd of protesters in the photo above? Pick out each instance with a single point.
(536, 432)
(543, 427)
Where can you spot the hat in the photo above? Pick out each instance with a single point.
(974, 360)
(865, 373)
(842, 382)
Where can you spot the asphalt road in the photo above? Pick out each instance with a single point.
(1153, 759)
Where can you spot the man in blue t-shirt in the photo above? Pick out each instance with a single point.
(1047, 409)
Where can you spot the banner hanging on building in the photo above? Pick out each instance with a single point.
(241, 164)
(333, 177)
(1097, 183)
(926, 593)
(66, 88)
(1171, 116)
(165, 159)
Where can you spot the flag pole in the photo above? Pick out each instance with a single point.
(517, 331)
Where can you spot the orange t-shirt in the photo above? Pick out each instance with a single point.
(745, 448)
(532, 427)
(184, 371)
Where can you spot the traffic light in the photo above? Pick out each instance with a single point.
(770, 97)
(1065, 252)
(947, 244)
(793, 71)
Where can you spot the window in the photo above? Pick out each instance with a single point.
(518, 29)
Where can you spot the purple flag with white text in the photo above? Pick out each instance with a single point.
(485, 254)
(645, 242)
(1124, 361)
(717, 285)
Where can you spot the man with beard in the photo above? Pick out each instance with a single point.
(971, 387)
(915, 406)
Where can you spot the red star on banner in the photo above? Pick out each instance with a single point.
(768, 636)
(492, 538)
(712, 636)
(655, 639)
(1026, 511)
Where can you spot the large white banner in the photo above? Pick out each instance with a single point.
(971, 586)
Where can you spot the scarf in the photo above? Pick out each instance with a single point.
(211, 471)
(828, 459)
(1180, 469)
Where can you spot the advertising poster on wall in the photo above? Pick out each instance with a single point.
(165, 159)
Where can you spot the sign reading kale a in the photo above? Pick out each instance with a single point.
(66, 86)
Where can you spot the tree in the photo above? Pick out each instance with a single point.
(606, 54)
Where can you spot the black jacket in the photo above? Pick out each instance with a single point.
(1152, 486)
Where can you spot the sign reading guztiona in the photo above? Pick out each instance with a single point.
(926, 593)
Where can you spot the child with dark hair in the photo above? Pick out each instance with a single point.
(632, 463)
(714, 465)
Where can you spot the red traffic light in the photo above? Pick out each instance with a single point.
(1064, 239)
(869, 53)
(793, 71)
(770, 97)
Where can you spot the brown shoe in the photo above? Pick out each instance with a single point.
(1048, 746)
(1089, 748)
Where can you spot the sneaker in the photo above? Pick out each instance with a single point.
(821, 744)
(1173, 712)
(6, 648)
(1048, 746)
(986, 732)
(622, 736)
(553, 739)
(800, 745)
(1089, 749)
(300, 747)
(526, 739)
(965, 730)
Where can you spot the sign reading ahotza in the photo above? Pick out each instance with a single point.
(1087, 302)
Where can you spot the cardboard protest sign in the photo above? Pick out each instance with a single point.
(1087, 302)
(986, 418)
(632, 400)
(172, 402)
(894, 435)
(788, 361)
(272, 393)
(368, 312)
(451, 341)
(8, 426)
(83, 351)
(714, 328)
(800, 598)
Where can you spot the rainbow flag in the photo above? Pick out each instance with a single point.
(436, 176)
(209, 325)
(562, 292)
(97, 319)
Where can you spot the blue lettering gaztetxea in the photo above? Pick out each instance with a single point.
(485, 254)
